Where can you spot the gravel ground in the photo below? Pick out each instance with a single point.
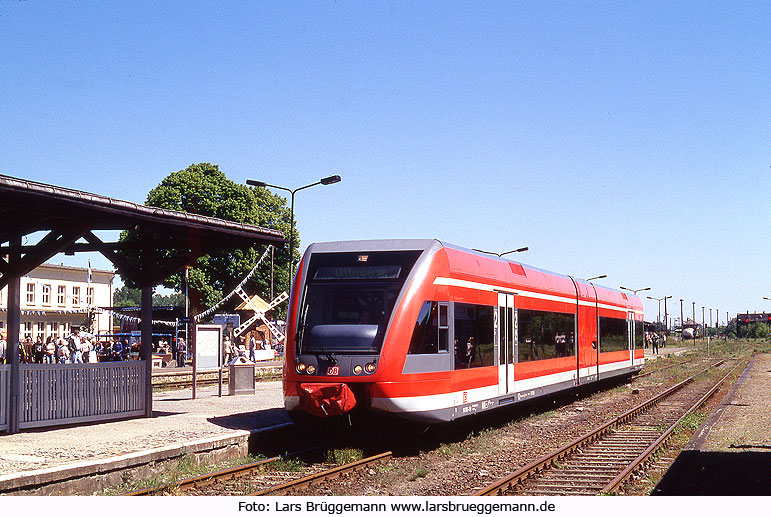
(746, 420)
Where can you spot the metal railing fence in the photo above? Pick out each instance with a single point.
(60, 394)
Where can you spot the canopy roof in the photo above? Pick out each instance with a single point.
(164, 240)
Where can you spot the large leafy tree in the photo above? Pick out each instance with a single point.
(205, 190)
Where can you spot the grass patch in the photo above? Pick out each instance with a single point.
(287, 465)
(419, 473)
(185, 467)
(344, 456)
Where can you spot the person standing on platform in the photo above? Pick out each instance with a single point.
(181, 352)
(228, 350)
(252, 347)
(50, 357)
(76, 347)
(62, 352)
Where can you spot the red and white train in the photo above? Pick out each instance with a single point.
(430, 331)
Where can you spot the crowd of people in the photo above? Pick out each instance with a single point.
(79, 348)
(73, 349)
(243, 350)
(652, 340)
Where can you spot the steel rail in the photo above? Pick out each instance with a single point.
(212, 477)
(320, 476)
(624, 475)
(508, 482)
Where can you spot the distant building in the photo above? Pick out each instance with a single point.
(54, 299)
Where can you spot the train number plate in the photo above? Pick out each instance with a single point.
(333, 370)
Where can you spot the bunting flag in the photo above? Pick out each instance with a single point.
(217, 305)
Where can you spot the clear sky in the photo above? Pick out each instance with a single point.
(631, 139)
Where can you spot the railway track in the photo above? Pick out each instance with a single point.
(322, 476)
(183, 380)
(259, 478)
(600, 461)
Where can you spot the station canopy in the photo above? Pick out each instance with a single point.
(161, 242)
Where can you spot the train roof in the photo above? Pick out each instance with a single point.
(425, 244)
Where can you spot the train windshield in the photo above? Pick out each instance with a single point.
(348, 300)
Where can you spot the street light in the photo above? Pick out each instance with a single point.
(596, 277)
(658, 300)
(518, 250)
(329, 180)
(635, 291)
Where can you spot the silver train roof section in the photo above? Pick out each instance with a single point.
(372, 245)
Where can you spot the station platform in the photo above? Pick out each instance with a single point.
(730, 453)
(82, 459)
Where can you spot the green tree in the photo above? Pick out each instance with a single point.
(126, 296)
(205, 190)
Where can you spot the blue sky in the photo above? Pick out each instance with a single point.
(627, 139)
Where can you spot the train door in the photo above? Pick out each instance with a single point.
(630, 319)
(507, 342)
(595, 335)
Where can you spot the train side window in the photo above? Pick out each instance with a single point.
(639, 335)
(545, 335)
(613, 334)
(474, 336)
(430, 335)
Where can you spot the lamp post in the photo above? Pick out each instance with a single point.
(658, 319)
(596, 277)
(518, 250)
(681, 315)
(635, 291)
(329, 180)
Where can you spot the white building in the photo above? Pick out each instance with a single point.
(56, 298)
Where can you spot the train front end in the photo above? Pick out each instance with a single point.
(341, 307)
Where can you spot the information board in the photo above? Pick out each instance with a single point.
(208, 339)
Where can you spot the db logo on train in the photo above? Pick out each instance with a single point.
(333, 370)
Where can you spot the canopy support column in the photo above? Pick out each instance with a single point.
(12, 349)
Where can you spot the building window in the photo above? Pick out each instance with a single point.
(89, 296)
(47, 294)
(27, 330)
(61, 295)
(75, 296)
(30, 294)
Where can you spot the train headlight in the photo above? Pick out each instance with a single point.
(358, 369)
(311, 369)
(301, 368)
(370, 367)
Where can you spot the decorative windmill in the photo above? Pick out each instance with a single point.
(250, 304)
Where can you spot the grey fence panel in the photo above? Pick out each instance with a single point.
(58, 394)
(5, 395)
